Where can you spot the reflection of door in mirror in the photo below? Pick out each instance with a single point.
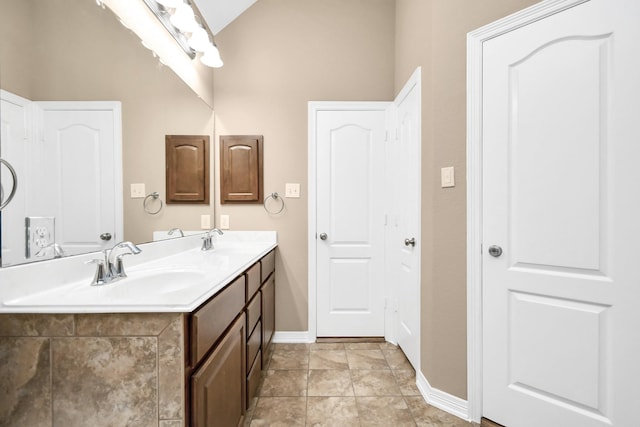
(84, 196)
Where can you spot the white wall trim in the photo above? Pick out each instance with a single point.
(292, 337)
(442, 400)
(475, 40)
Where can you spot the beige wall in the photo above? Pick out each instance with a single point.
(279, 55)
(433, 34)
(78, 51)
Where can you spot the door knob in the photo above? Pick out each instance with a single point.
(323, 236)
(410, 242)
(495, 251)
(105, 236)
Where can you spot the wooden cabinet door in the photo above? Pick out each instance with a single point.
(268, 316)
(187, 168)
(241, 169)
(219, 387)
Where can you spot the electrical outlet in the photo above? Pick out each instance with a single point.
(292, 190)
(205, 222)
(40, 234)
(137, 191)
(224, 222)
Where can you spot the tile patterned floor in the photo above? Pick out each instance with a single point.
(342, 384)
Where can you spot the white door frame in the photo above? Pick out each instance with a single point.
(314, 108)
(475, 40)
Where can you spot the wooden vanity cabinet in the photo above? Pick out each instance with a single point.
(218, 386)
(229, 336)
(268, 299)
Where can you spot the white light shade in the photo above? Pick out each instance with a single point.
(211, 57)
(184, 19)
(170, 3)
(199, 39)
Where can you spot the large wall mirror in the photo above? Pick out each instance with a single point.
(72, 77)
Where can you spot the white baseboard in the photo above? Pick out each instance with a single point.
(442, 400)
(290, 337)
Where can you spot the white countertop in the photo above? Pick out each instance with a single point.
(167, 276)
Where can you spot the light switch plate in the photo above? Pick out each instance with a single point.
(224, 222)
(447, 177)
(137, 191)
(292, 190)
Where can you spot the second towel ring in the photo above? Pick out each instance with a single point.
(154, 196)
(275, 197)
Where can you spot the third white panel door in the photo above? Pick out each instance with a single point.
(350, 223)
(561, 146)
(405, 245)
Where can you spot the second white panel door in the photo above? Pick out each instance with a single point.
(350, 223)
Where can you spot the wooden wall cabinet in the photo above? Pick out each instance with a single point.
(187, 168)
(241, 169)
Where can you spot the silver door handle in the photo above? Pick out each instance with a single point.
(105, 236)
(495, 251)
(410, 242)
(323, 236)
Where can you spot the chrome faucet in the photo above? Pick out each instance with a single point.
(111, 268)
(173, 230)
(207, 243)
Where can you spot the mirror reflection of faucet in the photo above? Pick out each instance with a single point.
(207, 243)
(173, 230)
(111, 268)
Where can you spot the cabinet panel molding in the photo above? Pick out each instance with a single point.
(241, 175)
(187, 168)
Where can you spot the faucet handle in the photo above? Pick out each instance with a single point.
(118, 267)
(101, 272)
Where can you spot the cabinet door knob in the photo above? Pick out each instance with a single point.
(410, 242)
(323, 236)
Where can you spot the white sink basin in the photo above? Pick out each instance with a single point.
(179, 281)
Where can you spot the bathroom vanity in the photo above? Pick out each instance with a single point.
(188, 353)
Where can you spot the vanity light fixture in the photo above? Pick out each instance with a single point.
(211, 57)
(180, 18)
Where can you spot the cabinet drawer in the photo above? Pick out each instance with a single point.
(253, 313)
(253, 280)
(211, 320)
(268, 263)
(253, 379)
(253, 345)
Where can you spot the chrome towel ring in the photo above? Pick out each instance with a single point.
(14, 176)
(154, 196)
(276, 198)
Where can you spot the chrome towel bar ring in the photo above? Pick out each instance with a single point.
(154, 196)
(276, 198)
(14, 176)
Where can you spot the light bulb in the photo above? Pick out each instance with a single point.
(199, 39)
(183, 18)
(211, 57)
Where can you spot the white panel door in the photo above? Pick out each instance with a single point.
(15, 136)
(405, 222)
(350, 223)
(561, 146)
(77, 182)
